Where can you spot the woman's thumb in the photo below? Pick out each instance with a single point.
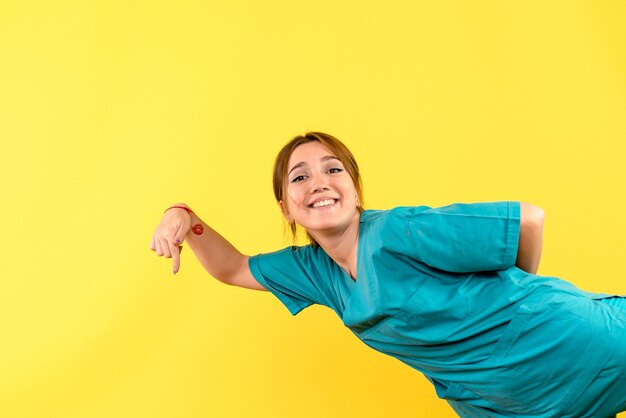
(179, 237)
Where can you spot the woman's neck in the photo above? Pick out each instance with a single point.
(341, 245)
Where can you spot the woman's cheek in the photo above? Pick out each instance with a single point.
(294, 196)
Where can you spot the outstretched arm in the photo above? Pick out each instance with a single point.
(218, 256)
(531, 237)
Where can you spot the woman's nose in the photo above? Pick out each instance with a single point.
(318, 184)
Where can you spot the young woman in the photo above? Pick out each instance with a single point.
(450, 291)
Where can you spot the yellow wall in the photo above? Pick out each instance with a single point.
(112, 110)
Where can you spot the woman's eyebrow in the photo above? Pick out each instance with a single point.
(324, 158)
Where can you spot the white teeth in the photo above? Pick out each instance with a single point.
(326, 202)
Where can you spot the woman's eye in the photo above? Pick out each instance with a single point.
(297, 179)
(336, 170)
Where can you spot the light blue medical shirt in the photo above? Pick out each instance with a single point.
(437, 288)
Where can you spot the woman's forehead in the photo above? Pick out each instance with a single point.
(308, 153)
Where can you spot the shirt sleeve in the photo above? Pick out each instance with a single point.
(466, 237)
(290, 275)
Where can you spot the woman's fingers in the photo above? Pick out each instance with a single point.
(157, 244)
(175, 246)
(170, 234)
(180, 234)
(165, 247)
(175, 250)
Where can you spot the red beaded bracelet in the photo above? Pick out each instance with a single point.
(180, 207)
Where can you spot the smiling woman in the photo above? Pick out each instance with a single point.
(450, 291)
(330, 151)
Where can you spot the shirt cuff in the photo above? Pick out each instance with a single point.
(512, 235)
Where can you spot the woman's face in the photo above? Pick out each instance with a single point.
(320, 195)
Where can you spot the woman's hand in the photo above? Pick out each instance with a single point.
(218, 256)
(170, 234)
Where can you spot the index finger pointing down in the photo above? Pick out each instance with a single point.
(175, 250)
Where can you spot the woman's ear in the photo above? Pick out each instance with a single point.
(283, 209)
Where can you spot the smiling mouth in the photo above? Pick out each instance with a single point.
(323, 203)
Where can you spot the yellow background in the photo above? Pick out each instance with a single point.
(112, 110)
